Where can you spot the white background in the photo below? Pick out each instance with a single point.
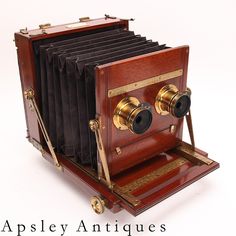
(31, 189)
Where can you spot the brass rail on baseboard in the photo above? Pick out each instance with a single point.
(189, 153)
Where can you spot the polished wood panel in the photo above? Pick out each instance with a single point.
(65, 29)
(158, 137)
(149, 194)
(28, 80)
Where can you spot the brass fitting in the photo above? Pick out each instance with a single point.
(98, 204)
(133, 115)
(170, 100)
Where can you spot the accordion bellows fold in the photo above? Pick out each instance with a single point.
(67, 81)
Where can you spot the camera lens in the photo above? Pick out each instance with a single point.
(170, 100)
(182, 106)
(142, 121)
(133, 115)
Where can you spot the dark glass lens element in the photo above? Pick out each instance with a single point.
(170, 100)
(142, 121)
(182, 106)
(132, 115)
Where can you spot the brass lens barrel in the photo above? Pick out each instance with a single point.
(131, 114)
(170, 100)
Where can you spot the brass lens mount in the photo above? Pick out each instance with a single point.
(133, 115)
(170, 100)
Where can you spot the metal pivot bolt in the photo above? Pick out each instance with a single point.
(98, 204)
(29, 94)
(172, 129)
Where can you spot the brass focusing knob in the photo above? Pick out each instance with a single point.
(133, 115)
(98, 204)
(170, 100)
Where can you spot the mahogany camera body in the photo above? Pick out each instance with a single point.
(107, 107)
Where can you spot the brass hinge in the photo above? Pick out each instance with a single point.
(29, 95)
(84, 19)
(95, 127)
(44, 26)
(24, 31)
(114, 17)
(109, 17)
(36, 144)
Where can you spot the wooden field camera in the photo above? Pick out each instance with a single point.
(107, 107)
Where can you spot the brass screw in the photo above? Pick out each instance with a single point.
(29, 94)
(189, 91)
(93, 124)
(172, 128)
(118, 150)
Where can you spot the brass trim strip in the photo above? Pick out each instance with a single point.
(143, 83)
(190, 154)
(126, 196)
(154, 175)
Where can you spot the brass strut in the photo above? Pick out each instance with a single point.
(95, 127)
(190, 128)
(188, 117)
(29, 95)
